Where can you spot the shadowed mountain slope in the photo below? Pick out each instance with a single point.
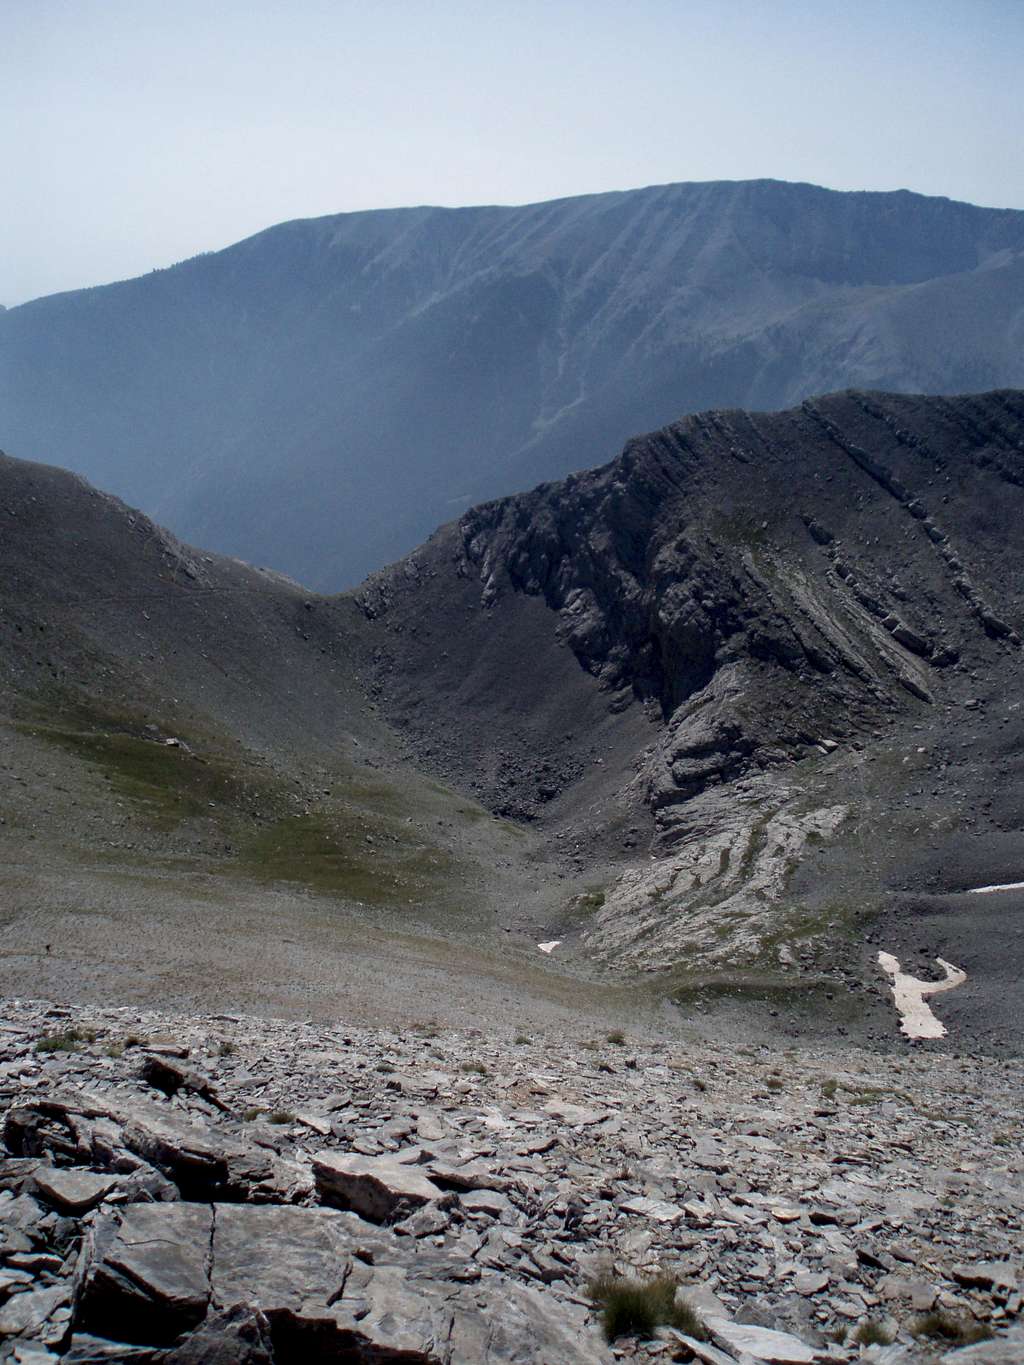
(749, 693)
(800, 638)
(322, 395)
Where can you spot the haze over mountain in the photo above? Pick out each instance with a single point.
(319, 397)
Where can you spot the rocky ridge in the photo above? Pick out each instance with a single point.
(720, 720)
(321, 396)
(798, 629)
(223, 1188)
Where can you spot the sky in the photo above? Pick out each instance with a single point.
(136, 133)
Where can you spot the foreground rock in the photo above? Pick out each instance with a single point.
(417, 1206)
(325, 1284)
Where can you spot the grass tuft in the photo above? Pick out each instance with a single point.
(70, 1040)
(871, 1333)
(637, 1308)
(941, 1326)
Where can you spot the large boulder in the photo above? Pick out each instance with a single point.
(278, 1283)
(147, 1276)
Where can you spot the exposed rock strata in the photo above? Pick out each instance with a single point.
(774, 595)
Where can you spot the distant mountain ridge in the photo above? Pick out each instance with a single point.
(320, 396)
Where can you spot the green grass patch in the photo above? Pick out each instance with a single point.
(377, 861)
(68, 1040)
(169, 784)
(805, 997)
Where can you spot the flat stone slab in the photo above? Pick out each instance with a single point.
(812, 1282)
(296, 1256)
(658, 1209)
(1005, 1350)
(987, 1275)
(322, 1283)
(701, 1350)
(574, 1114)
(73, 1191)
(761, 1343)
(29, 1311)
(377, 1188)
(148, 1271)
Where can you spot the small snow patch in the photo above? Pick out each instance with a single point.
(1000, 886)
(908, 992)
(549, 947)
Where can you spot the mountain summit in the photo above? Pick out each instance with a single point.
(319, 397)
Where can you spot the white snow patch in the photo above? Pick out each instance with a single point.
(916, 1018)
(549, 947)
(1001, 886)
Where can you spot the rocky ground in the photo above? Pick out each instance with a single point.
(226, 1188)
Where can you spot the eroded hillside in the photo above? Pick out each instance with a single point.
(715, 723)
(797, 653)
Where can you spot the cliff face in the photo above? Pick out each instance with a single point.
(320, 397)
(787, 600)
(857, 553)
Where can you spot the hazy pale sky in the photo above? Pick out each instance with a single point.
(134, 133)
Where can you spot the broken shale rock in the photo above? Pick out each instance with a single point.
(327, 1286)
(378, 1189)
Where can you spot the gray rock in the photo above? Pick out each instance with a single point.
(377, 1188)
(761, 1343)
(471, 1175)
(281, 1257)
(73, 1191)
(86, 1349)
(491, 1202)
(239, 1335)
(987, 1275)
(31, 1353)
(700, 1350)
(658, 1209)
(28, 1312)
(574, 1115)
(810, 1282)
(326, 1284)
(148, 1272)
(425, 1222)
(170, 1076)
(1002, 1350)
